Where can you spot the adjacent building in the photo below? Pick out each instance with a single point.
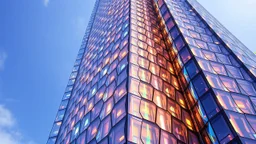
(158, 72)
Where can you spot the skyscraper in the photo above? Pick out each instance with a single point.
(162, 71)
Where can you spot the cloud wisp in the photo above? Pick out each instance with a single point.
(46, 3)
(9, 133)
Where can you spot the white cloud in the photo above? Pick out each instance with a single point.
(3, 57)
(9, 133)
(46, 2)
(6, 118)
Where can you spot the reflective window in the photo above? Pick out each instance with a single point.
(148, 110)
(149, 133)
(241, 125)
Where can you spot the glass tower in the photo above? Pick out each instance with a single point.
(158, 71)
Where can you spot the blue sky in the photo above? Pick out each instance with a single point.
(39, 40)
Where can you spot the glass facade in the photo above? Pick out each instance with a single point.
(158, 71)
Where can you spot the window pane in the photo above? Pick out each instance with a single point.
(241, 125)
(243, 103)
(221, 128)
(134, 129)
(148, 110)
(163, 120)
(149, 133)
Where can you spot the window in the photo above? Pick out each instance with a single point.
(243, 103)
(209, 105)
(149, 133)
(148, 110)
(117, 135)
(192, 69)
(221, 129)
(200, 85)
(180, 130)
(167, 138)
(118, 112)
(163, 120)
(241, 125)
(134, 129)
(159, 99)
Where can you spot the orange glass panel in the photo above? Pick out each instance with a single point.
(165, 75)
(148, 110)
(143, 62)
(144, 75)
(156, 82)
(174, 108)
(146, 91)
(154, 68)
(159, 99)
(163, 120)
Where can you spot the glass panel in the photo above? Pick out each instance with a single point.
(134, 129)
(169, 90)
(55, 129)
(159, 99)
(234, 72)
(200, 85)
(75, 131)
(86, 121)
(167, 138)
(252, 121)
(165, 75)
(149, 133)
(218, 68)
(156, 82)
(96, 110)
(214, 81)
(241, 125)
(107, 108)
(230, 84)
(92, 130)
(120, 91)
(174, 109)
(134, 71)
(60, 115)
(226, 101)
(163, 120)
(180, 130)
(211, 134)
(221, 129)
(247, 87)
(180, 99)
(210, 106)
(133, 86)
(144, 75)
(148, 110)
(243, 103)
(185, 55)
(187, 119)
(104, 129)
(117, 135)
(192, 69)
(192, 138)
(205, 65)
(146, 91)
(118, 112)
(134, 105)
(154, 68)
